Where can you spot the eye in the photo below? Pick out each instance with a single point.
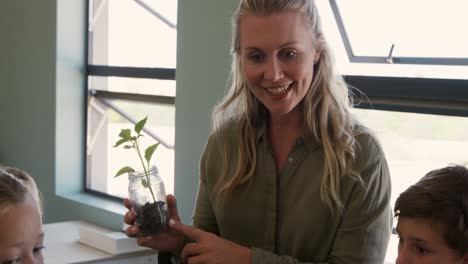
(38, 250)
(420, 250)
(288, 54)
(255, 57)
(12, 261)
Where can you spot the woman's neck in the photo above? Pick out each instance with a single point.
(283, 131)
(292, 122)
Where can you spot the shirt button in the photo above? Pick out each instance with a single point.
(290, 159)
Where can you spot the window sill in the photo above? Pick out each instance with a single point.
(62, 246)
(96, 201)
(95, 209)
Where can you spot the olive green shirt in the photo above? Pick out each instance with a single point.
(281, 216)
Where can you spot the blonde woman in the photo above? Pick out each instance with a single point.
(287, 175)
(21, 239)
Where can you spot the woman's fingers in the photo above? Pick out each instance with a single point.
(189, 231)
(190, 250)
(196, 260)
(132, 231)
(130, 217)
(127, 203)
(172, 206)
(148, 241)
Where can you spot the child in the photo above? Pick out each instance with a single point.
(433, 218)
(21, 239)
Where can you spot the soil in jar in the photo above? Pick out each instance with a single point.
(152, 218)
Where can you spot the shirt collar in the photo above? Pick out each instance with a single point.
(308, 140)
(260, 132)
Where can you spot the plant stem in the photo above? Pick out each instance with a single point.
(137, 148)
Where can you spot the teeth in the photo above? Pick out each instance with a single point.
(278, 90)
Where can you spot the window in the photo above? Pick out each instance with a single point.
(407, 67)
(131, 74)
(399, 39)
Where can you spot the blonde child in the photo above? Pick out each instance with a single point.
(21, 239)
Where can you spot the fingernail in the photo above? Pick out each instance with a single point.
(171, 222)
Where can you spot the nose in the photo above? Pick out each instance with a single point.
(272, 70)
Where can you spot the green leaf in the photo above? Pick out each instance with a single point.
(139, 126)
(120, 142)
(128, 147)
(123, 170)
(149, 151)
(125, 134)
(145, 183)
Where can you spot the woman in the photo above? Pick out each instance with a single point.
(288, 175)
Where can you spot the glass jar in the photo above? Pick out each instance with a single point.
(148, 197)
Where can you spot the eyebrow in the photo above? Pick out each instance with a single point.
(412, 238)
(282, 46)
(17, 244)
(416, 239)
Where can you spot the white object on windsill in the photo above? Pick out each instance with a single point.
(109, 241)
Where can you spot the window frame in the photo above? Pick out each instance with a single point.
(390, 59)
(94, 70)
(404, 94)
(414, 95)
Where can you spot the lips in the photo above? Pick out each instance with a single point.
(278, 90)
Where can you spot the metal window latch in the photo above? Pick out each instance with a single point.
(389, 59)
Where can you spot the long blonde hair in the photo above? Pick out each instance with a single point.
(325, 107)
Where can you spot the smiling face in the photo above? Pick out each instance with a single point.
(21, 239)
(422, 243)
(277, 55)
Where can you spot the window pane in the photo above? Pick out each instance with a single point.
(103, 161)
(125, 33)
(133, 85)
(415, 144)
(418, 28)
(373, 26)
(129, 33)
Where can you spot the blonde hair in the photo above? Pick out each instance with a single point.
(15, 187)
(325, 107)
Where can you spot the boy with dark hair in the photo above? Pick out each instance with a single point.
(433, 218)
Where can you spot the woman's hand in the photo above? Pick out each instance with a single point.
(168, 240)
(209, 248)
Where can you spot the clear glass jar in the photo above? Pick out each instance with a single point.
(148, 198)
